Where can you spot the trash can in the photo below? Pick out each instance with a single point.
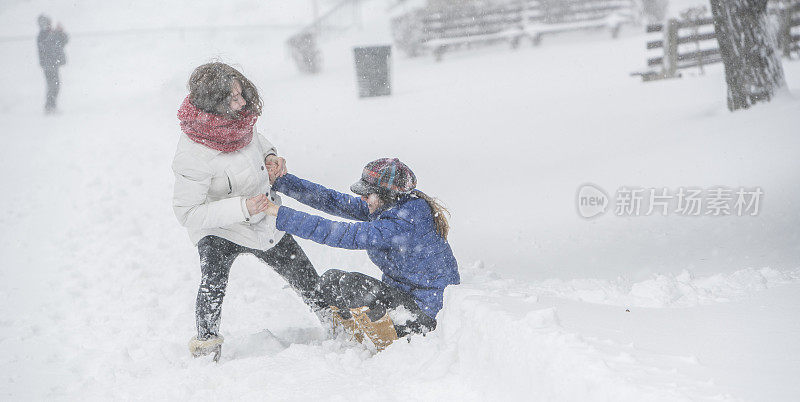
(372, 70)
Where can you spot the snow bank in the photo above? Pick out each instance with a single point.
(669, 290)
(529, 355)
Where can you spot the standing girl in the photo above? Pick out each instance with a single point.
(221, 187)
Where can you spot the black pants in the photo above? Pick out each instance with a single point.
(217, 256)
(53, 85)
(347, 290)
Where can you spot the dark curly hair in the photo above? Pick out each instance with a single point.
(210, 90)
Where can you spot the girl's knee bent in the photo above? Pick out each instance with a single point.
(331, 276)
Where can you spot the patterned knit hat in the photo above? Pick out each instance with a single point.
(385, 175)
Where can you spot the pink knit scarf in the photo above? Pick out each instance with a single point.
(215, 131)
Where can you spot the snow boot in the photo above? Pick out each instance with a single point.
(349, 325)
(202, 348)
(381, 331)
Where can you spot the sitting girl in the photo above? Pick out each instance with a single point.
(405, 234)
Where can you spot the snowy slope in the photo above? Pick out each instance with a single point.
(98, 280)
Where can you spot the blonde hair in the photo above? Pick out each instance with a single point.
(439, 211)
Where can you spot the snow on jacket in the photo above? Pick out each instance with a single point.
(51, 47)
(402, 240)
(211, 188)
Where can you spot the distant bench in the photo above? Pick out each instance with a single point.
(439, 31)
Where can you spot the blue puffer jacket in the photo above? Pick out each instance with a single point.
(402, 241)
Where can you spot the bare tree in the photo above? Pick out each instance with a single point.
(753, 68)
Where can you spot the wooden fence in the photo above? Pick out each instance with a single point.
(699, 34)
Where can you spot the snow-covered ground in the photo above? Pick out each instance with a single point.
(98, 280)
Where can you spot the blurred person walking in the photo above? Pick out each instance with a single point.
(51, 57)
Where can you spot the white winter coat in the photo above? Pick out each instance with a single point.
(211, 188)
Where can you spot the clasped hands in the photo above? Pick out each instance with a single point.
(276, 167)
